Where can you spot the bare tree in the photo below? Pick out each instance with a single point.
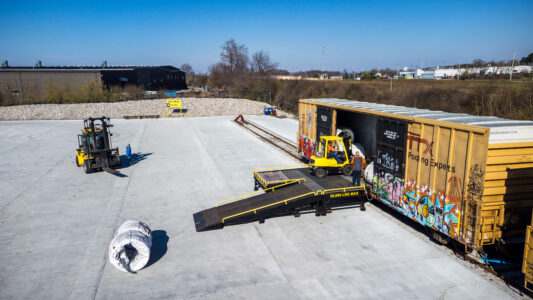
(217, 76)
(189, 73)
(478, 62)
(235, 57)
(186, 68)
(261, 63)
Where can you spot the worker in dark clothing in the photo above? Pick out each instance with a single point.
(357, 165)
(332, 149)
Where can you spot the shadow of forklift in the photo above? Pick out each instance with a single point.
(94, 151)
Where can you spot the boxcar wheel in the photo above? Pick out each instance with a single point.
(440, 238)
(347, 169)
(320, 172)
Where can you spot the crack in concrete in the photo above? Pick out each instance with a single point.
(137, 141)
(32, 183)
(103, 233)
(275, 260)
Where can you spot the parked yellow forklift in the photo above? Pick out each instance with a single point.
(94, 151)
(324, 162)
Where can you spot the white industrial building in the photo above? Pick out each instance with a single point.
(449, 73)
(439, 73)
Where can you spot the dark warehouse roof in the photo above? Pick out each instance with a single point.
(167, 67)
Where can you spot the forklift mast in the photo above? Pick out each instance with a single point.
(91, 125)
(95, 143)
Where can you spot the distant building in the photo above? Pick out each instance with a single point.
(507, 69)
(439, 73)
(21, 81)
(286, 77)
(408, 74)
(450, 73)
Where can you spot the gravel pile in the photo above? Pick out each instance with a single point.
(193, 107)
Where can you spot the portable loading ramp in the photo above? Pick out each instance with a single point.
(286, 191)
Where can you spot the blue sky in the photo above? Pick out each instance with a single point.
(356, 34)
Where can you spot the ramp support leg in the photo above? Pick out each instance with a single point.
(295, 213)
(321, 208)
(256, 184)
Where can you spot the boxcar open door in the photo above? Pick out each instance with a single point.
(324, 121)
(390, 161)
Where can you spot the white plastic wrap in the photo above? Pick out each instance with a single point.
(358, 148)
(369, 173)
(129, 251)
(131, 225)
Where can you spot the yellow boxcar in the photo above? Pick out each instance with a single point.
(467, 177)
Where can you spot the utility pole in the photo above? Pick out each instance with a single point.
(398, 71)
(459, 72)
(512, 67)
(323, 60)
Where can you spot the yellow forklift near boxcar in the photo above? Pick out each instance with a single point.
(323, 162)
(94, 151)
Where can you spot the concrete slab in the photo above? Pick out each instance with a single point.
(285, 127)
(56, 223)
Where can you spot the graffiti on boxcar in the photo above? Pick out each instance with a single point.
(474, 190)
(456, 188)
(389, 188)
(475, 181)
(307, 146)
(388, 162)
(310, 114)
(429, 208)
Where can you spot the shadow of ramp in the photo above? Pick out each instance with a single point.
(159, 246)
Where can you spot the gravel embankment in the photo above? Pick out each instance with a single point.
(193, 107)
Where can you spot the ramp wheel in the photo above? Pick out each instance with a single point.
(320, 172)
(347, 169)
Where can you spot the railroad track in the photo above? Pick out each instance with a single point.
(268, 136)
